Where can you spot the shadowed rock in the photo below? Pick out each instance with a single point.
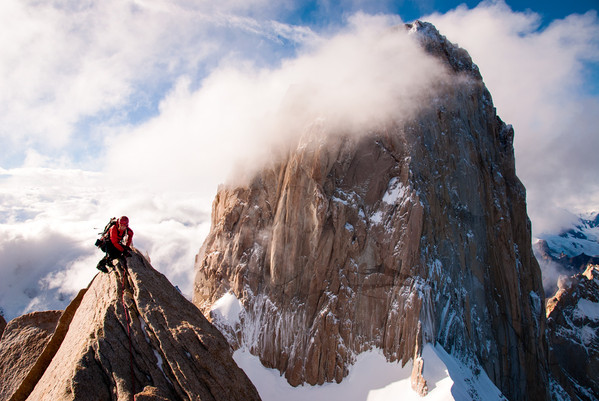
(2, 325)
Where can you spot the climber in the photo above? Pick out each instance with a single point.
(116, 242)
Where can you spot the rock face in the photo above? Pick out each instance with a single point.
(415, 233)
(573, 327)
(23, 342)
(160, 347)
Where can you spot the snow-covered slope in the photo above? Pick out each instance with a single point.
(582, 237)
(371, 378)
(568, 251)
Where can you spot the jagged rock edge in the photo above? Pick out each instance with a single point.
(37, 370)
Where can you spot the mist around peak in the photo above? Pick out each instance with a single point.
(355, 81)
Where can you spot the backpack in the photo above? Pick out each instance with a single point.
(101, 242)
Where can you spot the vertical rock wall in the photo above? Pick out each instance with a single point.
(414, 233)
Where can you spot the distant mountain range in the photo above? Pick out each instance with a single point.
(573, 244)
(569, 251)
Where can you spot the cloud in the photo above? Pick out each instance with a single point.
(50, 219)
(26, 260)
(163, 173)
(538, 80)
(164, 98)
(74, 73)
(553, 272)
(65, 67)
(242, 113)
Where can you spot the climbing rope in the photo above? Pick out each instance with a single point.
(128, 319)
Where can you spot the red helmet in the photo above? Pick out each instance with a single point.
(124, 220)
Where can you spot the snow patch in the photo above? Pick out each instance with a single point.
(143, 329)
(587, 335)
(227, 309)
(343, 201)
(535, 302)
(373, 378)
(377, 217)
(158, 360)
(396, 191)
(435, 268)
(587, 309)
(159, 363)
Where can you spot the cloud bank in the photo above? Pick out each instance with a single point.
(69, 69)
(241, 114)
(50, 219)
(143, 107)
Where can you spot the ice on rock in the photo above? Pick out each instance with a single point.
(227, 309)
(396, 191)
(587, 309)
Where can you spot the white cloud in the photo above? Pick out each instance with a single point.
(63, 63)
(241, 112)
(537, 80)
(50, 219)
(70, 73)
(26, 258)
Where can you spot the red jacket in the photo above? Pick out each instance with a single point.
(116, 237)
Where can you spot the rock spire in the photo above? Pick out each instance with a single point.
(413, 233)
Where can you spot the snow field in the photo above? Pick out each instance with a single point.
(371, 378)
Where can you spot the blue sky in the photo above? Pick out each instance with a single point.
(143, 107)
(324, 12)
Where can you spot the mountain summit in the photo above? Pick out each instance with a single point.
(411, 234)
(128, 335)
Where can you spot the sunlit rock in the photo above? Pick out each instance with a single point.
(127, 335)
(410, 234)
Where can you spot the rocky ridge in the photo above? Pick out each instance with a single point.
(573, 329)
(414, 233)
(171, 353)
(25, 339)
